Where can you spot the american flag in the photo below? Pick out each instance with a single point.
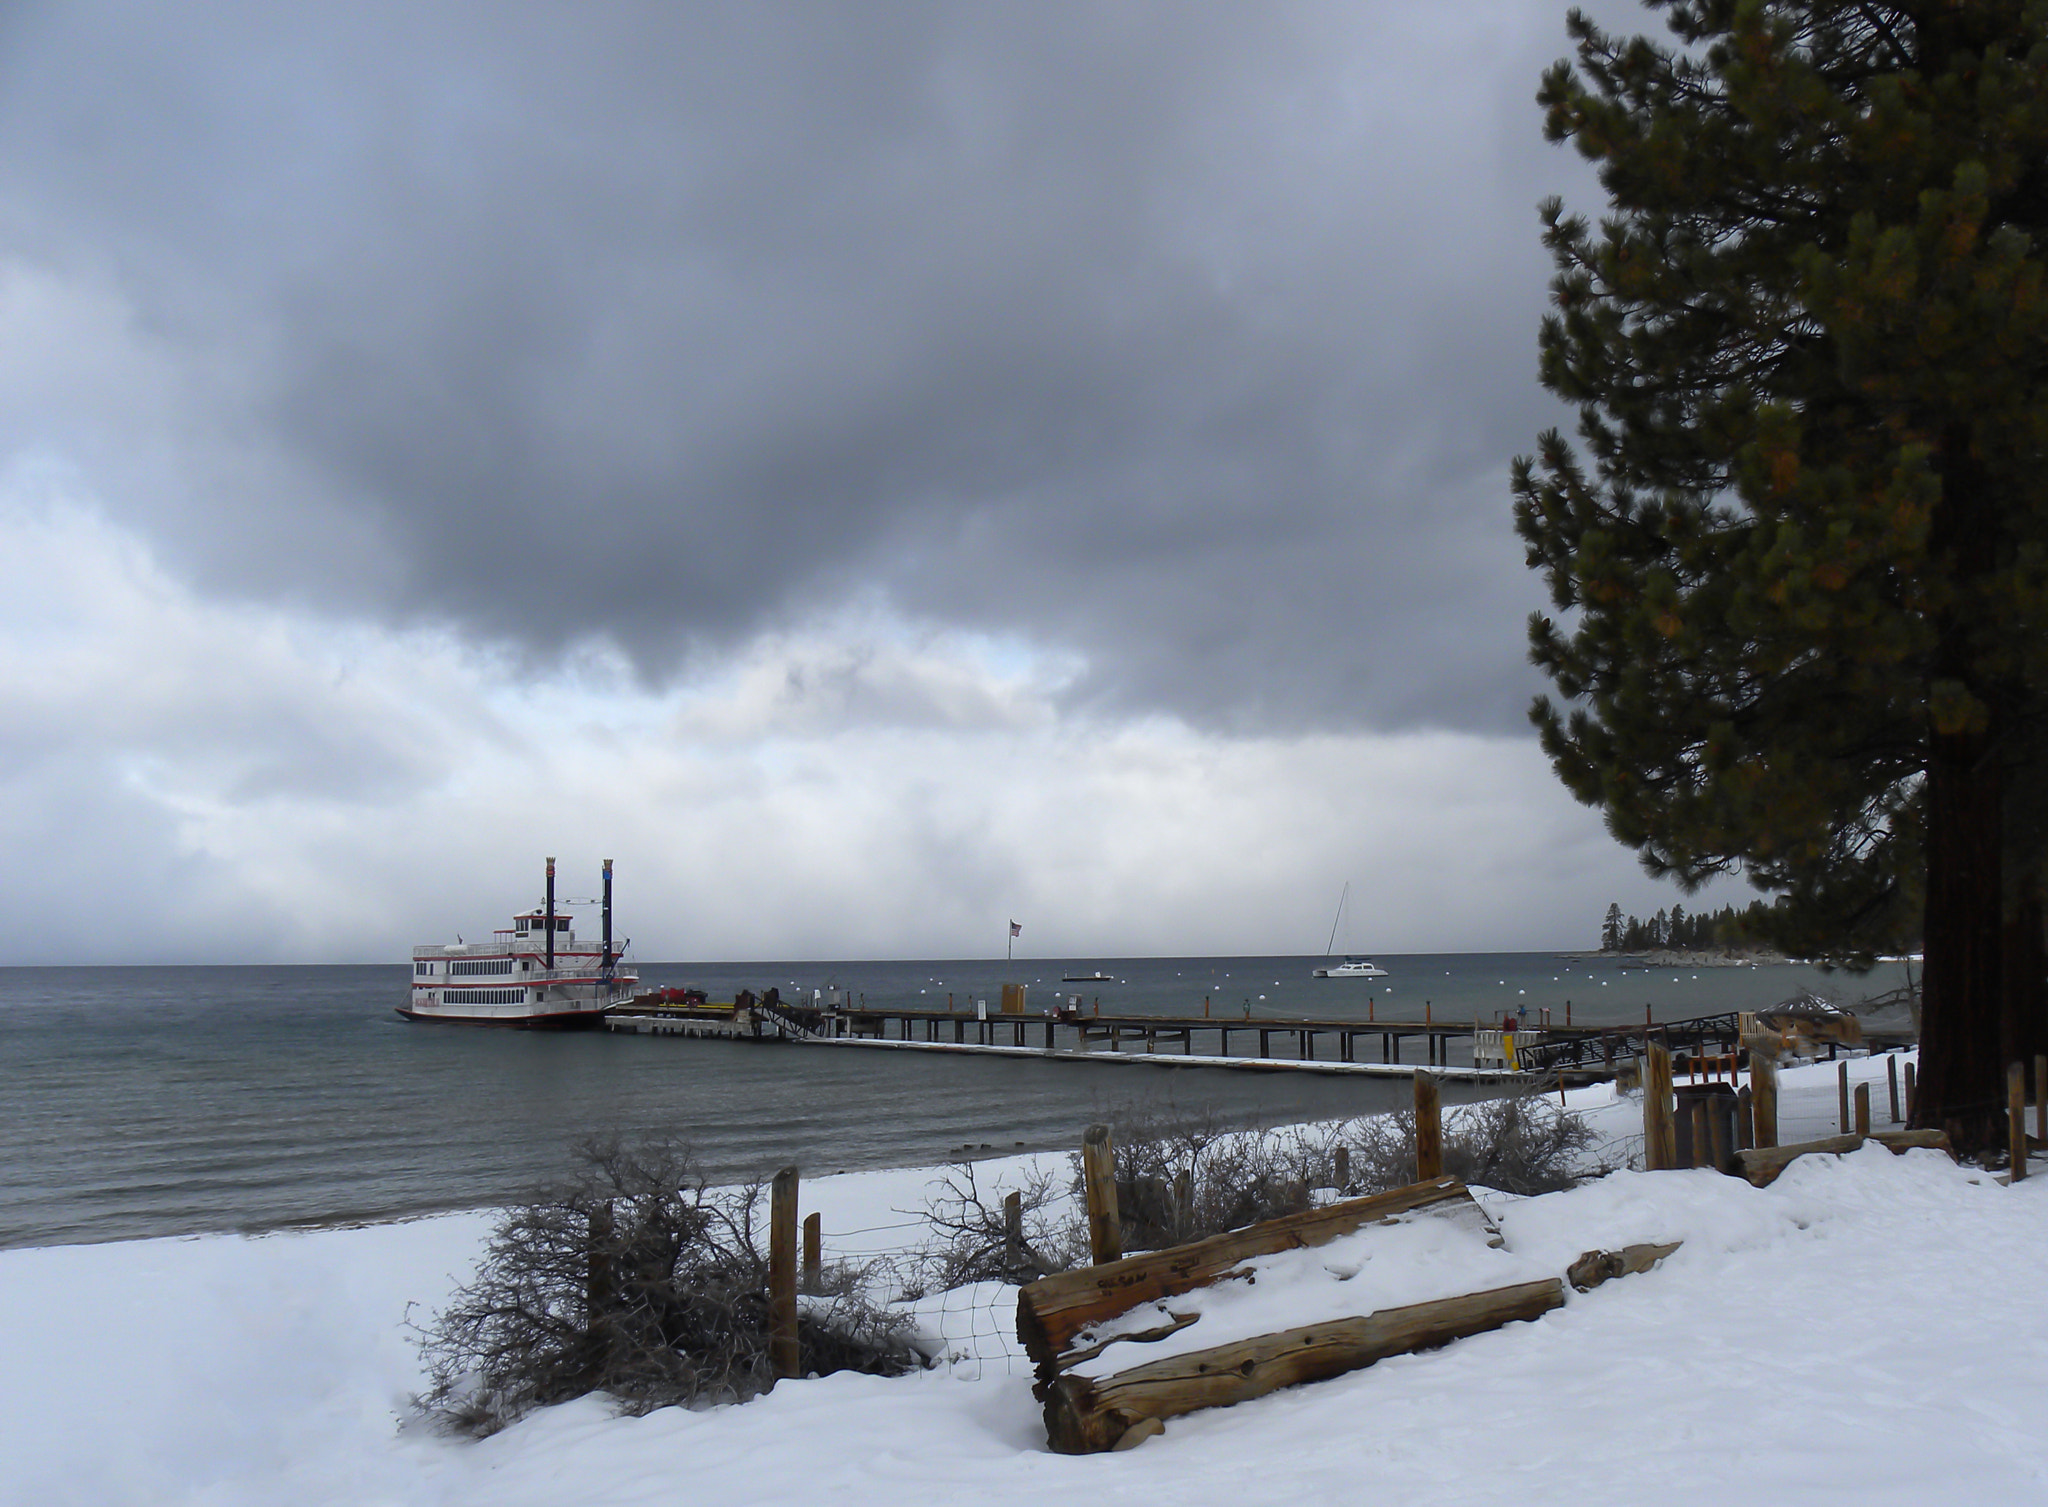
(1016, 930)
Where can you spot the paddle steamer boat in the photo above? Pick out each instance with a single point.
(535, 974)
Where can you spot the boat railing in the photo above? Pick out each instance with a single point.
(622, 972)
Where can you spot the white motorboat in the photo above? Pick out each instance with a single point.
(534, 974)
(1351, 968)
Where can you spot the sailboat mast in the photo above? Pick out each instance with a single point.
(1329, 948)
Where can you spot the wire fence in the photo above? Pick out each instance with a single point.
(969, 1328)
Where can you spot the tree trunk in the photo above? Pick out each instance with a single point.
(2023, 1023)
(1963, 988)
(1961, 1083)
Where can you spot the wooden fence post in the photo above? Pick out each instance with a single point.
(1763, 1081)
(1660, 1115)
(1745, 1118)
(1842, 1092)
(814, 1250)
(1013, 1224)
(1343, 1168)
(2016, 1117)
(1429, 1128)
(2041, 1097)
(1098, 1176)
(1909, 1092)
(1891, 1075)
(782, 1346)
(1863, 1109)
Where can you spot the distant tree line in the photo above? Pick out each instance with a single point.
(1707, 931)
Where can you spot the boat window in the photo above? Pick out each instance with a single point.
(522, 926)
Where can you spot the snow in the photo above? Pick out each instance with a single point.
(1868, 1328)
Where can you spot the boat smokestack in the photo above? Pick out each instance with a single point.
(551, 915)
(607, 915)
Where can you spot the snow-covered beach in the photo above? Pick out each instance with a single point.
(1869, 1328)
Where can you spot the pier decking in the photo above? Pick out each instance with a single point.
(1578, 1053)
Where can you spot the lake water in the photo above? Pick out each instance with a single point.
(155, 1101)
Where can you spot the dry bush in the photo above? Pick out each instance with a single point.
(640, 1280)
(1520, 1143)
(973, 1240)
(1183, 1175)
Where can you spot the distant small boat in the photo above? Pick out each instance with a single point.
(1087, 978)
(1351, 967)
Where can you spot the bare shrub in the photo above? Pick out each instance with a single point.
(1520, 1143)
(640, 1280)
(1183, 1175)
(973, 1239)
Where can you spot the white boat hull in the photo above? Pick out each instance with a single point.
(1353, 970)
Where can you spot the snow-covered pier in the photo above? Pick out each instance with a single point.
(1298, 1044)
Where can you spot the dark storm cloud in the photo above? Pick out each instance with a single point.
(1194, 339)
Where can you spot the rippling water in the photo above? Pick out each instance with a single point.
(153, 1101)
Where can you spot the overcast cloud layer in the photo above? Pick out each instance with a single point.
(965, 458)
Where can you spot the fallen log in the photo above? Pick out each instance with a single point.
(1085, 1415)
(1052, 1311)
(1595, 1267)
(1762, 1165)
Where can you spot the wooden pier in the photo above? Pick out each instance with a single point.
(1086, 1032)
(1578, 1053)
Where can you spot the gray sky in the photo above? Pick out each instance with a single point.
(873, 469)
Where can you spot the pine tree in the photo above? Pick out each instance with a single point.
(1610, 929)
(1803, 580)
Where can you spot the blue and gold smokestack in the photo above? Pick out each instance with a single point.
(608, 958)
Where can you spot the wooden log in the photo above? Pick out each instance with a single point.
(1763, 1083)
(1745, 1118)
(814, 1250)
(1862, 1109)
(1763, 1165)
(1660, 1119)
(1098, 1176)
(2016, 1117)
(1429, 1128)
(1085, 1416)
(782, 1346)
(1138, 1433)
(1054, 1309)
(1596, 1267)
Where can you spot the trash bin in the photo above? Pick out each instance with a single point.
(1708, 1107)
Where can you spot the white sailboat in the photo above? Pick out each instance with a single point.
(1351, 967)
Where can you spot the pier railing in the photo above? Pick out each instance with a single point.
(1599, 1050)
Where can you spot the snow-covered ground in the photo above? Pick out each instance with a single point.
(1870, 1328)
